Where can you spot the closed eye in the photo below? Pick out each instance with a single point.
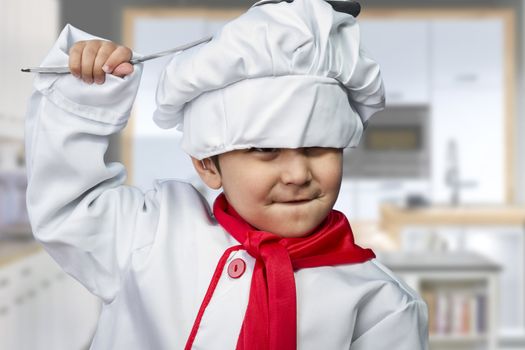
(264, 150)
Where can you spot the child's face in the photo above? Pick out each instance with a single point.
(284, 191)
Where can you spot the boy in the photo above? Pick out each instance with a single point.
(266, 108)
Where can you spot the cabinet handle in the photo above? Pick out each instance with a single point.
(467, 78)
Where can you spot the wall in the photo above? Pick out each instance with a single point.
(103, 18)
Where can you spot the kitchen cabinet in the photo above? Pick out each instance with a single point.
(494, 232)
(468, 134)
(468, 109)
(467, 53)
(506, 246)
(401, 47)
(461, 64)
(43, 308)
(467, 76)
(502, 244)
(461, 292)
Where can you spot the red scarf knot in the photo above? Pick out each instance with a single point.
(270, 322)
(257, 241)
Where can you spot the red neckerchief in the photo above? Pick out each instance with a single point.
(270, 321)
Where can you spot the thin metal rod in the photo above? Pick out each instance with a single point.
(65, 70)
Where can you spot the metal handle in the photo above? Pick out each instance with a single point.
(65, 70)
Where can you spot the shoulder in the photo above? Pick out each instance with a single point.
(185, 220)
(375, 280)
(180, 199)
(386, 296)
(369, 286)
(365, 297)
(380, 271)
(181, 202)
(179, 191)
(385, 288)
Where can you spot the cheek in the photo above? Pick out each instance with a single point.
(247, 189)
(335, 182)
(330, 176)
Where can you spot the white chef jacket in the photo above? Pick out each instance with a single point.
(150, 255)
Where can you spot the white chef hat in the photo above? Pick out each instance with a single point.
(282, 75)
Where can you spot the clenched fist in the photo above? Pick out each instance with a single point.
(90, 60)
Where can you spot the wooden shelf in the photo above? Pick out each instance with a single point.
(458, 339)
(460, 289)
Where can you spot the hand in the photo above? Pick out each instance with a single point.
(91, 60)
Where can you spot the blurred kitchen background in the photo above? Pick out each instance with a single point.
(436, 188)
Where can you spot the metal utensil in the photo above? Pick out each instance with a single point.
(65, 70)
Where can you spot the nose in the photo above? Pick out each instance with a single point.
(295, 168)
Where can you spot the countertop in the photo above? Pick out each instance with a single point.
(13, 250)
(450, 215)
(443, 261)
(394, 217)
(16, 243)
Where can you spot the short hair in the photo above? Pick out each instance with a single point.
(215, 160)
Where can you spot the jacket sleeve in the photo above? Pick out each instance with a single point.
(79, 209)
(406, 328)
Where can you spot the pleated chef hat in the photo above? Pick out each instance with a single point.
(282, 75)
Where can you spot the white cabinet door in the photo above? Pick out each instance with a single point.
(468, 108)
(401, 47)
(467, 53)
(473, 119)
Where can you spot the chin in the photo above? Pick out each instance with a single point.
(290, 222)
(293, 231)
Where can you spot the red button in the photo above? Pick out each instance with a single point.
(236, 268)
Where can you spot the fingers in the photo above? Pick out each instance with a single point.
(104, 52)
(91, 60)
(75, 57)
(89, 55)
(123, 69)
(119, 55)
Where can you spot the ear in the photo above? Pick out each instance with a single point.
(208, 172)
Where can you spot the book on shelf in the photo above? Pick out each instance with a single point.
(456, 312)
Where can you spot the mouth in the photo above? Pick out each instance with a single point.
(296, 201)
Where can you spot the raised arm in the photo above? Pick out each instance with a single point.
(78, 206)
